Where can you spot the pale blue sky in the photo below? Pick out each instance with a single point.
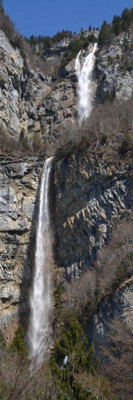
(46, 17)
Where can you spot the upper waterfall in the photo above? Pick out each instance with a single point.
(40, 298)
(84, 70)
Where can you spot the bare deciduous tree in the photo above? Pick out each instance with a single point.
(119, 367)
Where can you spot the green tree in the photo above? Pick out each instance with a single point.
(116, 25)
(18, 341)
(32, 40)
(126, 19)
(105, 34)
(77, 380)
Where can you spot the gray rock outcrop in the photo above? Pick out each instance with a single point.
(114, 308)
(90, 194)
(18, 190)
(38, 104)
(114, 68)
(29, 101)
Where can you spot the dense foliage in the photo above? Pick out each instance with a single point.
(75, 46)
(119, 24)
(76, 43)
(77, 379)
(48, 41)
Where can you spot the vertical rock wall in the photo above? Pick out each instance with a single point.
(91, 193)
(18, 194)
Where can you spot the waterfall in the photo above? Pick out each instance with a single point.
(40, 298)
(84, 70)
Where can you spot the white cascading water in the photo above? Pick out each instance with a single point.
(84, 70)
(40, 297)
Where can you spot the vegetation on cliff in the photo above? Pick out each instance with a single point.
(77, 378)
(119, 24)
(75, 46)
(18, 41)
(110, 126)
(108, 130)
(48, 41)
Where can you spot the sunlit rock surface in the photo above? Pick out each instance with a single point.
(18, 190)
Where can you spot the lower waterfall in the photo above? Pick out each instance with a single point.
(84, 68)
(40, 297)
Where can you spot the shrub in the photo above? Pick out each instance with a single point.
(110, 60)
(2, 340)
(119, 352)
(120, 275)
(24, 142)
(115, 261)
(18, 341)
(126, 146)
(58, 296)
(107, 96)
(36, 143)
(126, 64)
(3, 388)
(103, 139)
(30, 146)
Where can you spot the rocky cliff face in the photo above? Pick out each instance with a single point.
(33, 103)
(20, 91)
(114, 308)
(91, 192)
(58, 110)
(114, 68)
(18, 191)
(57, 49)
(92, 188)
(30, 102)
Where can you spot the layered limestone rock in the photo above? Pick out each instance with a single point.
(58, 110)
(11, 74)
(114, 308)
(114, 69)
(18, 191)
(20, 91)
(58, 49)
(91, 190)
(29, 101)
(91, 193)
(33, 103)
